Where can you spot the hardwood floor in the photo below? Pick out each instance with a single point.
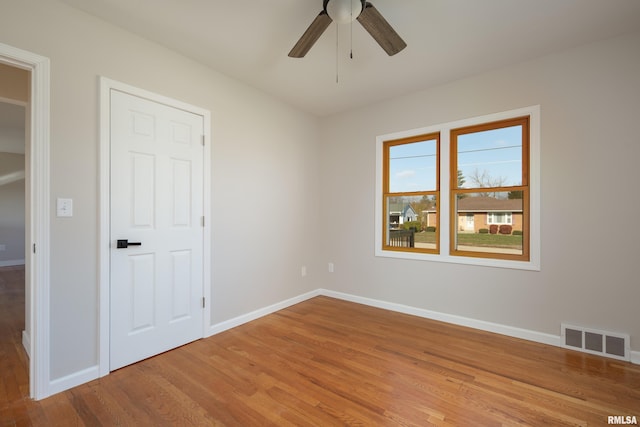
(14, 376)
(328, 362)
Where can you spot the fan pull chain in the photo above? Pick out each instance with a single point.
(351, 36)
(337, 50)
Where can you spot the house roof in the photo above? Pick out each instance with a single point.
(400, 208)
(489, 204)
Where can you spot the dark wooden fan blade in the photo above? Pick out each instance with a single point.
(313, 33)
(381, 30)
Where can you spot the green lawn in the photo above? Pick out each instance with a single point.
(476, 239)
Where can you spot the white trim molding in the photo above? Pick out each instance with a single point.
(89, 374)
(38, 253)
(482, 325)
(510, 331)
(73, 380)
(256, 314)
(26, 343)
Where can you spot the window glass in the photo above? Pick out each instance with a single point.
(412, 167)
(412, 222)
(491, 184)
(489, 222)
(491, 158)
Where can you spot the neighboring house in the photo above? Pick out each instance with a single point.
(475, 213)
(400, 213)
(429, 218)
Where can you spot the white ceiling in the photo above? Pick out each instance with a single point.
(447, 40)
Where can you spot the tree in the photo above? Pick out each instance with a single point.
(485, 180)
(517, 194)
(461, 179)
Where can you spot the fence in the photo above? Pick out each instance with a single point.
(401, 238)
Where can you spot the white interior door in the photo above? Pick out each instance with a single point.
(156, 177)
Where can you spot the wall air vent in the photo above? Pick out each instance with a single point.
(603, 343)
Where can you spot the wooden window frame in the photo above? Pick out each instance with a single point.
(386, 193)
(454, 191)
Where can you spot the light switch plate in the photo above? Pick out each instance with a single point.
(64, 207)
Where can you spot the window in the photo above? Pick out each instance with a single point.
(491, 160)
(411, 192)
(462, 192)
(499, 218)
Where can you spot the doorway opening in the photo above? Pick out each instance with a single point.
(36, 208)
(14, 319)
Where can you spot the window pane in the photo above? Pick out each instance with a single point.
(411, 221)
(489, 222)
(491, 158)
(412, 167)
(499, 218)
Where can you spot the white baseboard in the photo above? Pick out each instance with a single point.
(73, 380)
(93, 373)
(26, 343)
(511, 331)
(237, 321)
(12, 262)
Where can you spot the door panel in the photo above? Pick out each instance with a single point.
(181, 193)
(142, 169)
(181, 284)
(142, 271)
(156, 288)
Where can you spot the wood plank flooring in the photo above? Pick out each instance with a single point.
(327, 362)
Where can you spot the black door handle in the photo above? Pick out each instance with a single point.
(124, 243)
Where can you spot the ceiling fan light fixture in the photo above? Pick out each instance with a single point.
(344, 11)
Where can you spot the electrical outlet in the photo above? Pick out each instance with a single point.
(331, 269)
(3, 247)
(303, 270)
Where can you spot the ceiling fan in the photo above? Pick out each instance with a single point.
(344, 12)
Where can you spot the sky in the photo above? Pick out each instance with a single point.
(497, 153)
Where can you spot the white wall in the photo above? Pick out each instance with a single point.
(265, 171)
(590, 105)
(273, 213)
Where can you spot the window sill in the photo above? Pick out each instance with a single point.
(532, 265)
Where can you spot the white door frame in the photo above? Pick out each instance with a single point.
(106, 85)
(38, 221)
